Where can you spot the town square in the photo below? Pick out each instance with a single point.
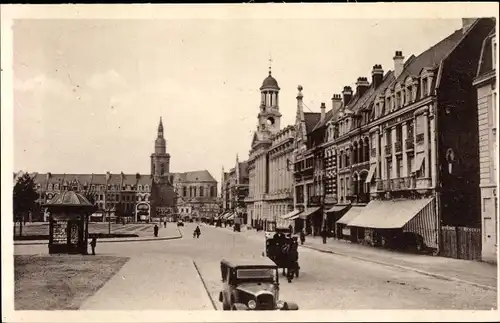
(254, 164)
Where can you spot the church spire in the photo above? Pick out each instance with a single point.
(160, 129)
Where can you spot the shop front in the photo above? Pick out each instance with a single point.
(343, 229)
(399, 223)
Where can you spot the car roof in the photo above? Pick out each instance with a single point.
(249, 262)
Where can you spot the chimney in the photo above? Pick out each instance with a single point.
(323, 108)
(362, 85)
(398, 63)
(466, 23)
(347, 94)
(336, 102)
(377, 75)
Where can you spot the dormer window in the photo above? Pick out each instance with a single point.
(425, 89)
(398, 100)
(409, 98)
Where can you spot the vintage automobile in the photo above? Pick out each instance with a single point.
(180, 223)
(251, 284)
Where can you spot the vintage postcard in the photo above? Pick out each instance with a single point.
(272, 162)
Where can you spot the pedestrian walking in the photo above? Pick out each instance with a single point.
(165, 223)
(302, 237)
(197, 231)
(324, 234)
(155, 230)
(93, 243)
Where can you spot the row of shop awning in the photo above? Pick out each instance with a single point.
(392, 214)
(225, 216)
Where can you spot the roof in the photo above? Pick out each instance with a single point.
(69, 198)
(320, 123)
(311, 120)
(270, 82)
(93, 179)
(128, 179)
(249, 262)
(431, 57)
(486, 59)
(372, 93)
(194, 176)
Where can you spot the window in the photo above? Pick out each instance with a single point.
(202, 191)
(389, 169)
(421, 172)
(425, 88)
(399, 133)
(399, 165)
(409, 96)
(184, 191)
(398, 100)
(410, 130)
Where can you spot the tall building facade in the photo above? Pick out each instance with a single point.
(136, 197)
(269, 161)
(409, 142)
(485, 83)
(235, 186)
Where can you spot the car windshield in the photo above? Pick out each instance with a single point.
(256, 273)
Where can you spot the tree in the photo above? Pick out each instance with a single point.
(90, 196)
(25, 196)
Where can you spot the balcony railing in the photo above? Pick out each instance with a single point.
(398, 146)
(388, 150)
(396, 184)
(420, 138)
(410, 145)
(374, 152)
(315, 200)
(359, 198)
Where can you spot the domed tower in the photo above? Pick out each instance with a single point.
(269, 115)
(160, 159)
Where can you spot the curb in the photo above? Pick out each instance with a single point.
(426, 273)
(180, 236)
(205, 285)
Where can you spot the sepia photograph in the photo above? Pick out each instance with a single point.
(238, 161)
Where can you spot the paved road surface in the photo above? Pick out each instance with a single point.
(326, 282)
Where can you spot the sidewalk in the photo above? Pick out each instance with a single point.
(470, 272)
(152, 282)
(168, 233)
(474, 273)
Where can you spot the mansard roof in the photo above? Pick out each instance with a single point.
(311, 120)
(486, 60)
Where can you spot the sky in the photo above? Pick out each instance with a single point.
(88, 94)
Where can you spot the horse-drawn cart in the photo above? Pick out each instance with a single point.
(282, 249)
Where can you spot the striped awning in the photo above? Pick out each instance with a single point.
(391, 214)
(231, 216)
(290, 215)
(337, 208)
(308, 212)
(228, 215)
(351, 214)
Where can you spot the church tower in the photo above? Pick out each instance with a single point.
(160, 159)
(269, 115)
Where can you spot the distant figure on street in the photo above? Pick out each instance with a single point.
(290, 228)
(165, 223)
(155, 230)
(197, 231)
(302, 237)
(324, 234)
(93, 243)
